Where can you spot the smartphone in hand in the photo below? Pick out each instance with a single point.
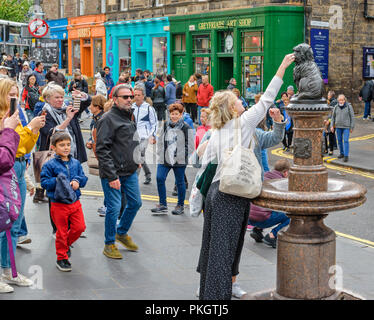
(13, 106)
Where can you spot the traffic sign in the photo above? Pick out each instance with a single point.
(38, 28)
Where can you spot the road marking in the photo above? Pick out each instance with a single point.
(367, 137)
(280, 153)
(367, 242)
(143, 196)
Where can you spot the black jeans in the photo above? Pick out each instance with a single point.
(287, 140)
(191, 108)
(160, 110)
(331, 139)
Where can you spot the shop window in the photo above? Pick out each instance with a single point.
(252, 76)
(76, 58)
(124, 53)
(180, 42)
(159, 54)
(201, 44)
(202, 65)
(98, 55)
(226, 41)
(252, 41)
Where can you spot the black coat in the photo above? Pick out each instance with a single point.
(81, 85)
(366, 92)
(117, 144)
(50, 124)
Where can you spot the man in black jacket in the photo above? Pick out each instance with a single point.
(54, 75)
(366, 95)
(118, 152)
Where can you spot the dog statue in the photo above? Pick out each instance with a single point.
(306, 74)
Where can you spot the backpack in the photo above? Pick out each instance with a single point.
(10, 200)
(10, 206)
(32, 97)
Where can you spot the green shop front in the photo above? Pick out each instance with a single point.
(245, 44)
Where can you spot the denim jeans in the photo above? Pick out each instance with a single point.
(343, 140)
(278, 219)
(367, 111)
(19, 168)
(130, 186)
(162, 173)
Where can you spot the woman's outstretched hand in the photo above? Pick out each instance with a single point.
(287, 61)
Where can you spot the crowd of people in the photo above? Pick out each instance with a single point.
(185, 124)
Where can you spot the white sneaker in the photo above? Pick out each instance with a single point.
(23, 240)
(237, 292)
(4, 288)
(20, 280)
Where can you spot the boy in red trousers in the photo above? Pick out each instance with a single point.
(62, 177)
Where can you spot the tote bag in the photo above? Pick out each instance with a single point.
(241, 172)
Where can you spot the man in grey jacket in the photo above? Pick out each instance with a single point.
(342, 121)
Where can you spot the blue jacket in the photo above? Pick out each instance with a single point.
(149, 84)
(268, 139)
(170, 93)
(187, 119)
(73, 171)
(40, 78)
(109, 83)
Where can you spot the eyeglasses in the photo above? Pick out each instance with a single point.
(126, 97)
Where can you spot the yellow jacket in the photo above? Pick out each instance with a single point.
(27, 140)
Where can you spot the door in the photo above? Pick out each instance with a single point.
(141, 60)
(180, 69)
(87, 62)
(226, 70)
(64, 54)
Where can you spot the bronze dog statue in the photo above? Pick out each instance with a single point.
(306, 74)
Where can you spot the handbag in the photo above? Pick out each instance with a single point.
(93, 163)
(195, 201)
(39, 158)
(241, 172)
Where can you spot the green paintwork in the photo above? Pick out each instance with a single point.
(283, 28)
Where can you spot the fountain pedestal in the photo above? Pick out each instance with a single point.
(306, 251)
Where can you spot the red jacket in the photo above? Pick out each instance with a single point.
(257, 213)
(204, 94)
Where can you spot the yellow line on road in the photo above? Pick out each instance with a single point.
(367, 242)
(367, 137)
(143, 196)
(280, 153)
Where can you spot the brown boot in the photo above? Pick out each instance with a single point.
(39, 196)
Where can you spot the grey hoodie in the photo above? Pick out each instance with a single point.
(343, 117)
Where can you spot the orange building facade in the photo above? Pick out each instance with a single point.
(87, 44)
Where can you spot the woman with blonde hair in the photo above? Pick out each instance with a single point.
(226, 215)
(28, 137)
